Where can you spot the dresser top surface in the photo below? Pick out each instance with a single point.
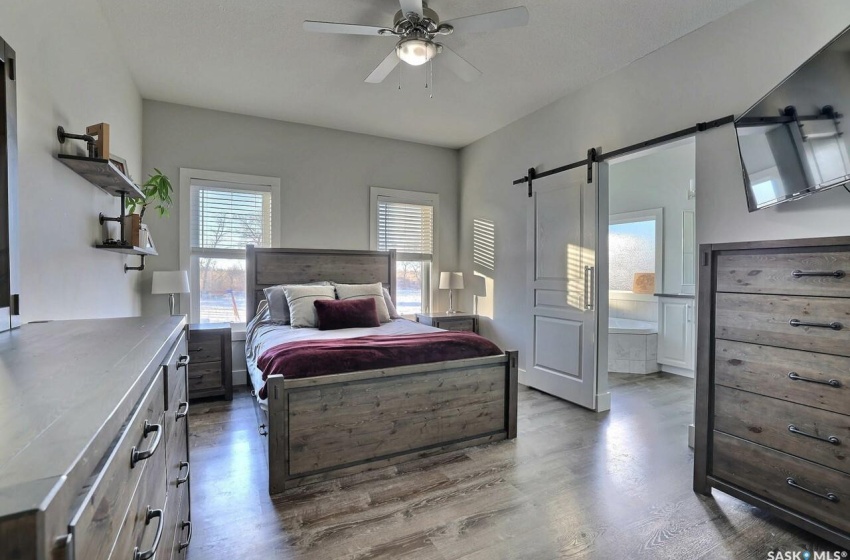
(59, 384)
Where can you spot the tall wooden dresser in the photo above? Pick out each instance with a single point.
(773, 379)
(94, 439)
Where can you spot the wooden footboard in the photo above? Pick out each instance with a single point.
(331, 426)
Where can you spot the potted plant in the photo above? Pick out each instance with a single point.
(157, 190)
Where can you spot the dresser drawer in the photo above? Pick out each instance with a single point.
(147, 515)
(817, 380)
(766, 472)
(205, 378)
(182, 530)
(178, 469)
(768, 319)
(459, 325)
(801, 273)
(205, 347)
(175, 369)
(96, 524)
(810, 433)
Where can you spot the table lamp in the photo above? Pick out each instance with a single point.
(451, 281)
(170, 282)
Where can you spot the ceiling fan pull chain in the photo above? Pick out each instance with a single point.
(431, 71)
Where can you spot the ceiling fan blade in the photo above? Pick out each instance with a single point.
(502, 19)
(408, 6)
(343, 28)
(459, 65)
(384, 68)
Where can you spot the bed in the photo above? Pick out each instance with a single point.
(320, 428)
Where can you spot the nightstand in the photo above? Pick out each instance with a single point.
(210, 365)
(450, 321)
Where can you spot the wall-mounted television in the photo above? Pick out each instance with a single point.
(794, 142)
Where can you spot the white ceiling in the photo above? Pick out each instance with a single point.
(253, 57)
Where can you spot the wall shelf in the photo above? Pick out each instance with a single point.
(103, 174)
(128, 250)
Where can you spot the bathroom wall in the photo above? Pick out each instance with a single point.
(658, 178)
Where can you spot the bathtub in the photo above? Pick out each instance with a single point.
(631, 326)
(632, 346)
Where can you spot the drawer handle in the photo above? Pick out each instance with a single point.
(136, 455)
(183, 479)
(262, 429)
(828, 496)
(183, 362)
(835, 325)
(830, 439)
(148, 554)
(833, 274)
(185, 545)
(797, 377)
(185, 406)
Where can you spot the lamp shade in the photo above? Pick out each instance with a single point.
(170, 282)
(451, 280)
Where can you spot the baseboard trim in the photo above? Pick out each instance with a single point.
(240, 377)
(692, 435)
(678, 371)
(603, 402)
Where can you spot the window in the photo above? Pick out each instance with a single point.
(404, 221)
(226, 212)
(635, 245)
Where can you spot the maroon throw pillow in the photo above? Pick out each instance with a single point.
(346, 313)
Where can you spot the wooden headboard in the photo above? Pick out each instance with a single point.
(273, 266)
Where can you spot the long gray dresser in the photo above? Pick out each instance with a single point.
(773, 379)
(94, 457)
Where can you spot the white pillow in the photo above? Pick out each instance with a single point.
(302, 312)
(278, 306)
(361, 291)
(390, 305)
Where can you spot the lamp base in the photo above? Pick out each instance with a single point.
(171, 303)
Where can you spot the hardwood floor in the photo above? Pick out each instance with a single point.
(574, 484)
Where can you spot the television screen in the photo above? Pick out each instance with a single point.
(793, 141)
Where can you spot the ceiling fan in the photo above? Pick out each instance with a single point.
(416, 26)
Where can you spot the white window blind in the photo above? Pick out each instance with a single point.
(406, 227)
(230, 218)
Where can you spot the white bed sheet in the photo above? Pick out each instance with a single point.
(261, 336)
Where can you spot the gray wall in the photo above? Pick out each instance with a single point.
(68, 74)
(325, 178)
(719, 69)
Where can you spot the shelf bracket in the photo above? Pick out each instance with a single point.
(139, 268)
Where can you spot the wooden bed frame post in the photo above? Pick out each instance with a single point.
(511, 392)
(278, 414)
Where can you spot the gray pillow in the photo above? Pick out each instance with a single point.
(390, 305)
(360, 291)
(302, 312)
(278, 307)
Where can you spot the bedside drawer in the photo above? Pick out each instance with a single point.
(805, 273)
(810, 433)
(767, 472)
(768, 319)
(205, 347)
(205, 378)
(459, 325)
(791, 375)
(96, 524)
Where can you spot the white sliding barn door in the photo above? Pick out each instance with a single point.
(562, 234)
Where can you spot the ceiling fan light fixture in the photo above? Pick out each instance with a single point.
(416, 51)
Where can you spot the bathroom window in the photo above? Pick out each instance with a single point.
(635, 247)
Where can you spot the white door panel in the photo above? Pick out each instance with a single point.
(562, 229)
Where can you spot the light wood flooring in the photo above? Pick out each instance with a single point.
(574, 484)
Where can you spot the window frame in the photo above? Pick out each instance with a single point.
(656, 214)
(409, 197)
(236, 181)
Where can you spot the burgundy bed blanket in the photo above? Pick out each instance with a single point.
(313, 358)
